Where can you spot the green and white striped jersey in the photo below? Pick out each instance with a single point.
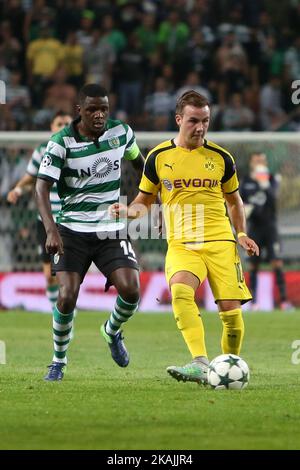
(88, 174)
(33, 169)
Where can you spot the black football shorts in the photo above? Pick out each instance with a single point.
(81, 249)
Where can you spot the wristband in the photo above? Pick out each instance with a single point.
(242, 234)
(18, 190)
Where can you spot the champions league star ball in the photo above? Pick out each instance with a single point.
(228, 371)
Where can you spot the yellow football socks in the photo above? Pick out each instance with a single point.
(188, 318)
(233, 331)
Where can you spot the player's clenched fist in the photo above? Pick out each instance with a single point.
(117, 210)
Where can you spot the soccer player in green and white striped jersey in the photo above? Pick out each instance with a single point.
(26, 184)
(84, 159)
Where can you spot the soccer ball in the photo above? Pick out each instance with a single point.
(228, 371)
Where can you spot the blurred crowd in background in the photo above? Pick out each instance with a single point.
(242, 54)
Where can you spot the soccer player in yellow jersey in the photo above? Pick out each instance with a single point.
(196, 179)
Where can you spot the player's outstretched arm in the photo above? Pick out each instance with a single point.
(237, 216)
(139, 207)
(53, 242)
(24, 185)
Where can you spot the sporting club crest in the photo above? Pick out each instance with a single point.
(114, 142)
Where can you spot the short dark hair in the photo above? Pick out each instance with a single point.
(193, 98)
(93, 90)
(59, 113)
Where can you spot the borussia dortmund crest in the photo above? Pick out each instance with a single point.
(209, 165)
(114, 142)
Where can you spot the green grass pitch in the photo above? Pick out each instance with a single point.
(101, 406)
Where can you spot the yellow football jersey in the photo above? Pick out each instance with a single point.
(191, 184)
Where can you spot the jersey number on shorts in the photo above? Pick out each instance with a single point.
(127, 248)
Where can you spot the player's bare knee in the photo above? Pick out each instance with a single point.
(67, 298)
(228, 305)
(66, 304)
(129, 291)
(131, 295)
